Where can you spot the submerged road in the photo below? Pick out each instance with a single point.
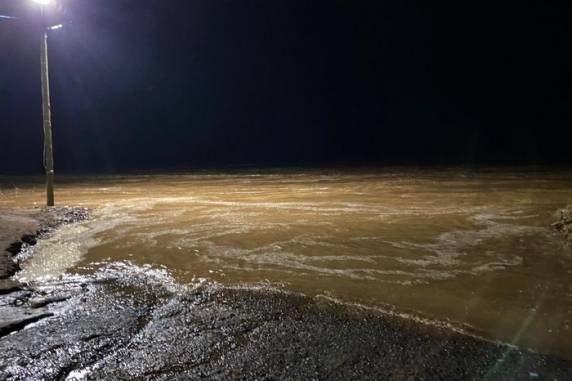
(130, 322)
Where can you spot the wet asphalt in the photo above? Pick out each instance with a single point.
(123, 325)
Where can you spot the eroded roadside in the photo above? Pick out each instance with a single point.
(19, 231)
(132, 322)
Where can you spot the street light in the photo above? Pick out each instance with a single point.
(43, 2)
(48, 144)
(46, 109)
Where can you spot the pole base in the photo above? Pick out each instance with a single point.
(50, 188)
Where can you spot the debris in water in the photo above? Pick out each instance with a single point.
(564, 224)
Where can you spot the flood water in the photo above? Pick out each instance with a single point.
(470, 248)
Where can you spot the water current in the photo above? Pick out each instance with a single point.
(472, 249)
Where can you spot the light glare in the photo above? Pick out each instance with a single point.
(42, 2)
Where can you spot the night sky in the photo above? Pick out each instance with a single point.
(186, 84)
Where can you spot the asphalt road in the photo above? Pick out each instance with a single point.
(127, 323)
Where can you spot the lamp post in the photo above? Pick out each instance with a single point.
(46, 109)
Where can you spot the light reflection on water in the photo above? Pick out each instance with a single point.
(471, 248)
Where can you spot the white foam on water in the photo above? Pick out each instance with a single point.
(67, 245)
(461, 328)
(128, 273)
(317, 206)
(135, 222)
(52, 256)
(449, 248)
(299, 264)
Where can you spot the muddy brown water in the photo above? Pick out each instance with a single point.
(470, 248)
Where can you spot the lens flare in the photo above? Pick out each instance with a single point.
(43, 2)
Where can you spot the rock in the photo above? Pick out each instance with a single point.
(41, 302)
(8, 285)
(7, 266)
(15, 247)
(54, 217)
(30, 239)
(9, 326)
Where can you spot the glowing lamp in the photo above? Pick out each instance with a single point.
(43, 2)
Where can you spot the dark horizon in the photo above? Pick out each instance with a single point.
(199, 84)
